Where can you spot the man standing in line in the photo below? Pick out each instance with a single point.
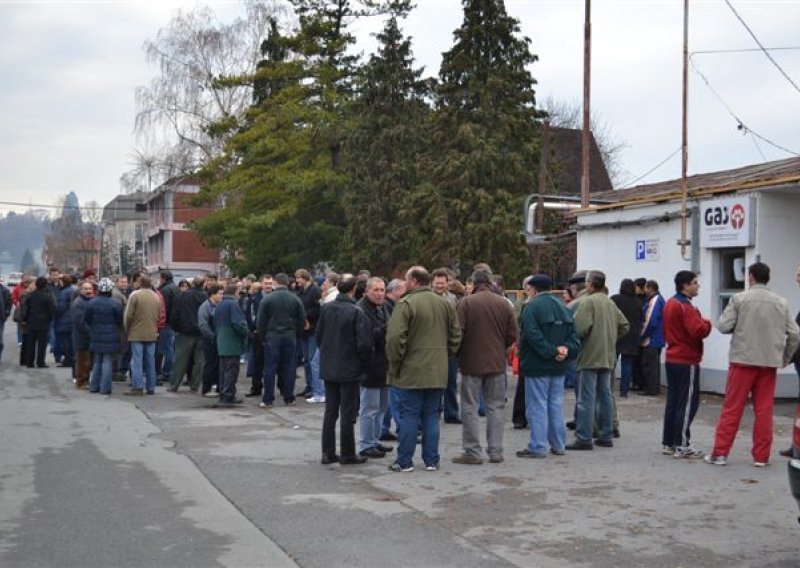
(547, 341)
(310, 294)
(207, 326)
(685, 329)
(764, 337)
(652, 339)
(374, 393)
(440, 285)
(187, 341)
(165, 347)
(345, 345)
(488, 329)
(80, 335)
(599, 323)
(281, 319)
(141, 322)
(103, 315)
(423, 333)
(394, 291)
(231, 330)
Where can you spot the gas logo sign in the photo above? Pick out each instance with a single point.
(721, 216)
(727, 223)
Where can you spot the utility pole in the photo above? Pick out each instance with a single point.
(587, 75)
(684, 242)
(539, 223)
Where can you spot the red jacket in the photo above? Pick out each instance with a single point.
(684, 329)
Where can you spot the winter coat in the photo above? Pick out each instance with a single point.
(763, 331)
(184, 313)
(80, 331)
(310, 297)
(231, 328)
(103, 315)
(599, 323)
(169, 292)
(40, 310)
(377, 365)
(684, 329)
(205, 321)
(251, 313)
(142, 314)
(423, 333)
(631, 308)
(546, 325)
(344, 337)
(653, 322)
(64, 309)
(281, 315)
(5, 302)
(488, 329)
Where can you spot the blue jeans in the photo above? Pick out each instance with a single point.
(317, 383)
(626, 372)
(166, 347)
(374, 403)
(595, 389)
(100, 380)
(308, 347)
(544, 410)
(143, 364)
(390, 414)
(417, 408)
(280, 354)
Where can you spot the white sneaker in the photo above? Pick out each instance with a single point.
(716, 460)
(667, 450)
(315, 399)
(687, 453)
(760, 464)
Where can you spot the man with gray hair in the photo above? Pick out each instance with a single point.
(488, 329)
(394, 291)
(598, 322)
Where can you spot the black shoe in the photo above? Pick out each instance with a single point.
(616, 433)
(329, 459)
(623, 395)
(306, 392)
(518, 426)
(571, 425)
(372, 453)
(604, 443)
(576, 445)
(388, 437)
(355, 460)
(251, 394)
(786, 453)
(526, 453)
(43, 366)
(385, 449)
(453, 421)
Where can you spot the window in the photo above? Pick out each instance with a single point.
(732, 274)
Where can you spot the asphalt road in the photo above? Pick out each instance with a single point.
(91, 480)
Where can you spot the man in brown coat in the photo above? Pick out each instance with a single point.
(142, 315)
(488, 329)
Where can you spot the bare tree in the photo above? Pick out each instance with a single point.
(569, 114)
(196, 56)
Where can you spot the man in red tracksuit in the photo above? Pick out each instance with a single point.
(684, 330)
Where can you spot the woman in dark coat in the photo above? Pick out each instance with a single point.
(38, 315)
(103, 315)
(64, 319)
(628, 345)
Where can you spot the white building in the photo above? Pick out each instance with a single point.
(736, 217)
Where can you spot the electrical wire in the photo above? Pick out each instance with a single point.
(761, 46)
(92, 207)
(651, 170)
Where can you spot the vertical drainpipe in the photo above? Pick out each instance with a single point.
(683, 242)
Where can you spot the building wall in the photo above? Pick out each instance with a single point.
(612, 249)
(188, 248)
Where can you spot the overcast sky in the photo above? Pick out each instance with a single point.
(69, 71)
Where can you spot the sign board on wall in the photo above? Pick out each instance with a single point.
(728, 222)
(647, 250)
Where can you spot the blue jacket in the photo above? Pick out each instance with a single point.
(80, 331)
(231, 328)
(64, 310)
(103, 315)
(653, 322)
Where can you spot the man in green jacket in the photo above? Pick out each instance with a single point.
(598, 322)
(231, 329)
(423, 332)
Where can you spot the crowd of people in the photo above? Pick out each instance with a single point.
(376, 351)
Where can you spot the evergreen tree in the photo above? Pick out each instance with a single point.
(385, 139)
(28, 263)
(484, 152)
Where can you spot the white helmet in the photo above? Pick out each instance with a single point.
(105, 285)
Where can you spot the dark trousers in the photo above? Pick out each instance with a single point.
(340, 398)
(211, 365)
(636, 374)
(281, 359)
(651, 370)
(65, 339)
(36, 347)
(255, 364)
(229, 374)
(683, 398)
(23, 351)
(449, 398)
(518, 417)
(83, 367)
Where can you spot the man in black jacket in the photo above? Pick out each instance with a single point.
(310, 294)
(187, 341)
(345, 343)
(5, 311)
(38, 312)
(165, 347)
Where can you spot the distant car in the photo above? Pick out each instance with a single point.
(13, 279)
(794, 463)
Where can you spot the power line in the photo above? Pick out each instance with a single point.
(760, 45)
(95, 207)
(651, 170)
(740, 124)
(744, 50)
